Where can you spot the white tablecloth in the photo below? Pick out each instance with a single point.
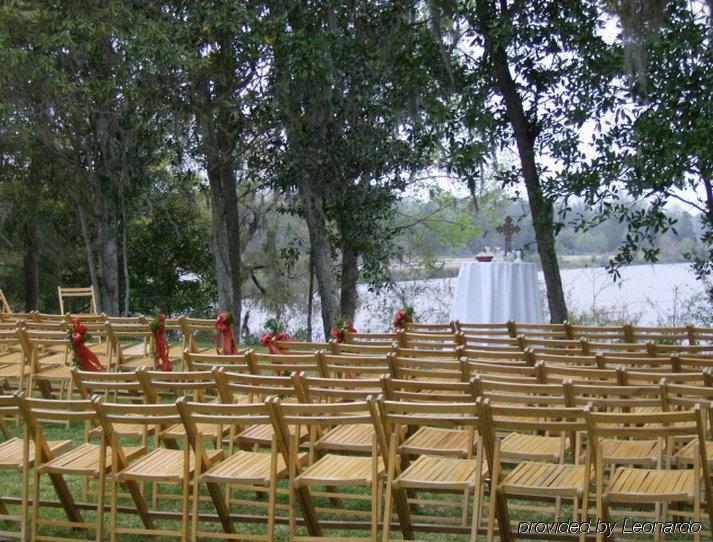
(495, 292)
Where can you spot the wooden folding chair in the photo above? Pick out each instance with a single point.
(206, 361)
(331, 471)
(360, 349)
(558, 374)
(159, 466)
(483, 330)
(534, 444)
(658, 485)
(15, 366)
(687, 396)
(50, 358)
(114, 387)
(611, 334)
(663, 335)
(511, 372)
(198, 386)
(429, 341)
(18, 455)
(368, 339)
(433, 473)
(559, 347)
(198, 334)
(419, 327)
(491, 343)
(132, 345)
(628, 399)
(240, 470)
(240, 388)
(533, 480)
(541, 331)
(569, 360)
(261, 363)
(300, 347)
(638, 377)
(83, 293)
(348, 438)
(352, 366)
(4, 304)
(447, 441)
(425, 368)
(86, 460)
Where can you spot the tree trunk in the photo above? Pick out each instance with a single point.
(108, 255)
(541, 208)
(225, 222)
(350, 278)
(310, 297)
(321, 253)
(88, 249)
(30, 266)
(125, 262)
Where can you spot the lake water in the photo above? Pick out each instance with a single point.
(645, 294)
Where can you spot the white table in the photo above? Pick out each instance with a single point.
(495, 292)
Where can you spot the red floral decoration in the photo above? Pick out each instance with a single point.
(85, 359)
(161, 359)
(224, 340)
(268, 339)
(341, 327)
(403, 316)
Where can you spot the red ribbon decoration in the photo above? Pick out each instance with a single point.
(224, 325)
(402, 317)
(268, 338)
(161, 359)
(338, 331)
(85, 358)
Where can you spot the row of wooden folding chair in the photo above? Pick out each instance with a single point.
(405, 479)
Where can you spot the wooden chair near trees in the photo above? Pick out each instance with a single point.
(352, 366)
(206, 361)
(87, 460)
(425, 368)
(603, 334)
(334, 472)
(131, 345)
(368, 339)
(506, 372)
(659, 484)
(533, 480)
(4, 304)
(18, 455)
(420, 327)
(15, 366)
(161, 465)
(49, 356)
(429, 341)
(198, 334)
(360, 349)
(541, 331)
(240, 470)
(81, 293)
(261, 363)
(433, 473)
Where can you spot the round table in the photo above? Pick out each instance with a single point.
(496, 292)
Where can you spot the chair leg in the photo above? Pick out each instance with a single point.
(35, 502)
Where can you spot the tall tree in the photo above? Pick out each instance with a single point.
(539, 71)
(657, 148)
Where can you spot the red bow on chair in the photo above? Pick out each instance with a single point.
(268, 339)
(161, 359)
(85, 358)
(224, 325)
